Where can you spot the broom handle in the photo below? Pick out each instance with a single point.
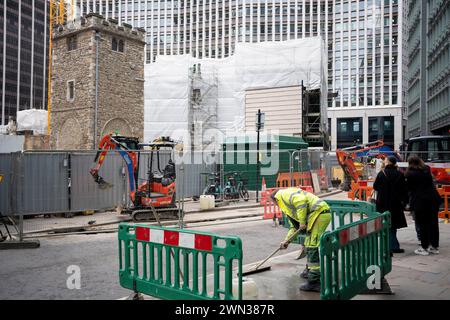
(276, 251)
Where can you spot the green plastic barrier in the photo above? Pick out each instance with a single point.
(342, 211)
(174, 264)
(353, 250)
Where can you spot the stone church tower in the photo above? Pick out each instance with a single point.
(96, 92)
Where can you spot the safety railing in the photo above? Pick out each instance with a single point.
(361, 190)
(356, 247)
(323, 179)
(265, 194)
(444, 192)
(286, 179)
(345, 212)
(173, 264)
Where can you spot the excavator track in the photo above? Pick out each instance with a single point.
(146, 215)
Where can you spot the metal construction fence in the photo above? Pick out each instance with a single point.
(59, 181)
(46, 182)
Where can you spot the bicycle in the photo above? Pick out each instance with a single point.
(236, 190)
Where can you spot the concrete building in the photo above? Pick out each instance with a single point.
(364, 47)
(428, 83)
(97, 82)
(23, 52)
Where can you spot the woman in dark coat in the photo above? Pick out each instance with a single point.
(424, 201)
(392, 196)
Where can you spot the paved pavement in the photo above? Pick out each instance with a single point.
(412, 277)
(41, 273)
(191, 208)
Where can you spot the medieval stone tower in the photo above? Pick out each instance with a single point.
(97, 82)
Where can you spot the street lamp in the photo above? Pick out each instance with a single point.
(260, 117)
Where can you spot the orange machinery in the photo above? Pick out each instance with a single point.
(158, 191)
(351, 161)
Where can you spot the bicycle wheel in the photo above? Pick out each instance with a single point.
(227, 194)
(244, 194)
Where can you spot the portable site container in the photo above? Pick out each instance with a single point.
(239, 155)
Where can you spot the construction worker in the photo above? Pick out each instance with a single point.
(312, 215)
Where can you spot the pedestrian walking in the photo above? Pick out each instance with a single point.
(392, 196)
(424, 201)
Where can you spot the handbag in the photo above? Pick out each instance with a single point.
(373, 198)
(438, 198)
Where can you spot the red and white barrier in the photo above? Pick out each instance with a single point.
(359, 231)
(175, 238)
(271, 210)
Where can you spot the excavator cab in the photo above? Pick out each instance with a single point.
(159, 189)
(167, 175)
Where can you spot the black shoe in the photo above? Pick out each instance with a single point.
(304, 273)
(310, 286)
(398, 251)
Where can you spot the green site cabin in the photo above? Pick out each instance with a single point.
(239, 155)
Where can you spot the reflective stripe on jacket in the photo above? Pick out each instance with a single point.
(302, 206)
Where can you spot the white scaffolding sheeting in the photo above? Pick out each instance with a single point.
(32, 119)
(254, 65)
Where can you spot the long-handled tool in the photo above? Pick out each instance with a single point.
(258, 268)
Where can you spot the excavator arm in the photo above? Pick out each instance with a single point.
(346, 157)
(122, 145)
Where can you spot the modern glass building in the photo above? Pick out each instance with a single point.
(364, 47)
(428, 83)
(23, 51)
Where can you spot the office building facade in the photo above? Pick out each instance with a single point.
(23, 51)
(363, 36)
(428, 80)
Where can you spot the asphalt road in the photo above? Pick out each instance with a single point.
(42, 273)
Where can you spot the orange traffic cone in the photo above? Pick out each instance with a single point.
(263, 188)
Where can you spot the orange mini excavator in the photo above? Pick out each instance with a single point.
(157, 193)
(351, 161)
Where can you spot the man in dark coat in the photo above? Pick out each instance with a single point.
(392, 196)
(425, 202)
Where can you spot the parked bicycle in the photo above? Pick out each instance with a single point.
(234, 188)
(213, 188)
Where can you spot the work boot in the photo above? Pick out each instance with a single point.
(304, 274)
(310, 286)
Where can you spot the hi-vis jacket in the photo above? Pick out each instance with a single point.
(301, 206)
